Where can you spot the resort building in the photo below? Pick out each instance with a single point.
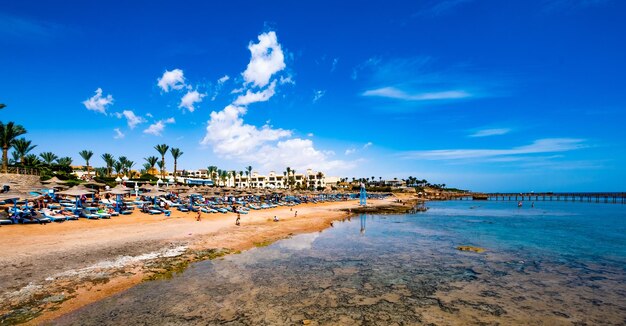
(308, 180)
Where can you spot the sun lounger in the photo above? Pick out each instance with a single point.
(34, 218)
(88, 215)
(154, 211)
(103, 214)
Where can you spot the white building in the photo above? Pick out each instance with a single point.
(309, 180)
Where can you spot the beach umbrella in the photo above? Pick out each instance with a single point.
(55, 180)
(76, 191)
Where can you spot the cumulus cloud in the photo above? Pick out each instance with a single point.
(267, 58)
(367, 145)
(118, 134)
(190, 99)
(231, 137)
(97, 102)
(157, 128)
(350, 151)
(132, 119)
(171, 79)
(267, 147)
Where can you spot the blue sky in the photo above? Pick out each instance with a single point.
(481, 95)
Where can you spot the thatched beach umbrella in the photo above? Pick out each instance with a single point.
(55, 180)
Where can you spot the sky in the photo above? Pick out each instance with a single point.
(481, 95)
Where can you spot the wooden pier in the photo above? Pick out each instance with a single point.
(591, 197)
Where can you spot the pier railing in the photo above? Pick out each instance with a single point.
(592, 197)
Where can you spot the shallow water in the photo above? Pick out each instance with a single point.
(557, 263)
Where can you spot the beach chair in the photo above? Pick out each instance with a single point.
(53, 217)
(102, 214)
(88, 214)
(34, 217)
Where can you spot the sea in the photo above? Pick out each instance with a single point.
(557, 263)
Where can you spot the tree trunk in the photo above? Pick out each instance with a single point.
(175, 163)
(5, 159)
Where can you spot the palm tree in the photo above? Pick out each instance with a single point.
(211, 170)
(101, 172)
(48, 157)
(8, 135)
(124, 162)
(65, 161)
(86, 155)
(152, 161)
(223, 176)
(128, 166)
(176, 153)
(109, 160)
(2, 106)
(162, 149)
(31, 160)
(249, 174)
(22, 147)
(147, 167)
(119, 167)
(288, 177)
(161, 165)
(15, 158)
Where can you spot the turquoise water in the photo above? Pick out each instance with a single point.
(556, 263)
(566, 230)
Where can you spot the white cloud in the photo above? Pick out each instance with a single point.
(350, 151)
(218, 87)
(394, 93)
(266, 59)
(253, 97)
(271, 148)
(318, 95)
(157, 128)
(131, 118)
(547, 145)
(172, 79)
(310, 134)
(490, 132)
(223, 79)
(190, 99)
(118, 134)
(367, 145)
(231, 137)
(287, 80)
(97, 102)
(149, 115)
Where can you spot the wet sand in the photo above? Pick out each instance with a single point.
(53, 269)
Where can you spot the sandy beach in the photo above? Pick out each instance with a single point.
(50, 270)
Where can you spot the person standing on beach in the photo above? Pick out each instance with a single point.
(237, 220)
(296, 214)
(199, 216)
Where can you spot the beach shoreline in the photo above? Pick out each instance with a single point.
(55, 269)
